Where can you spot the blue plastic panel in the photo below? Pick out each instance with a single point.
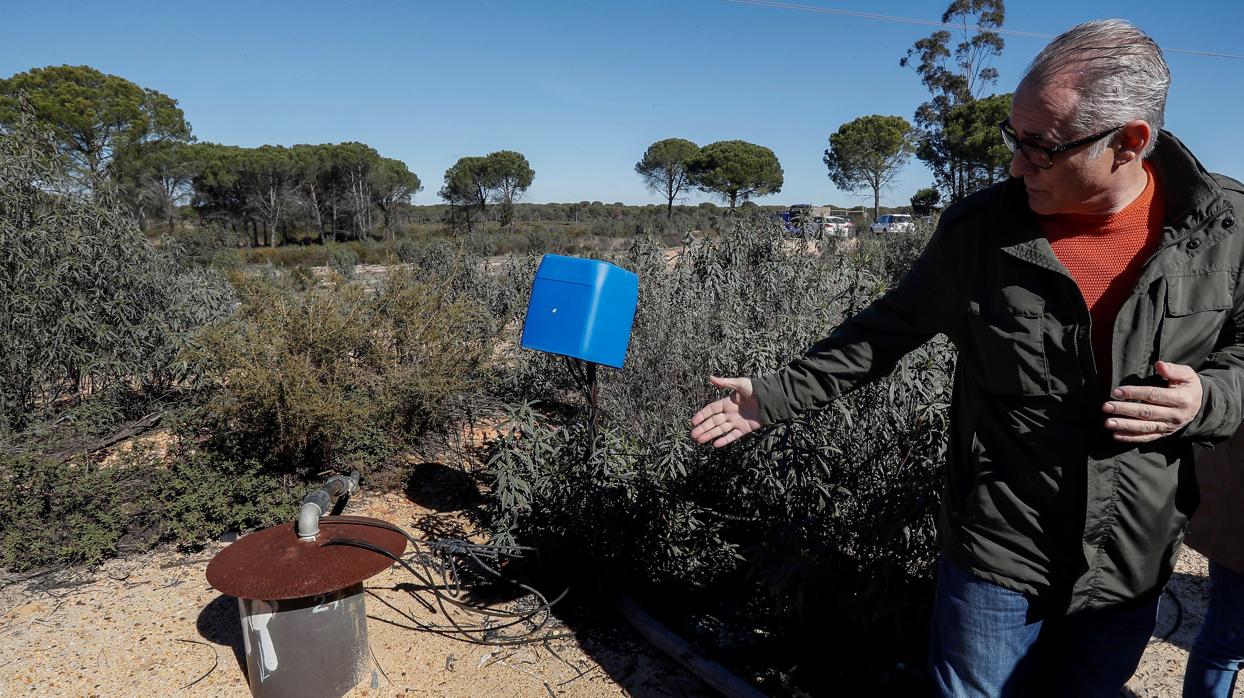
(582, 308)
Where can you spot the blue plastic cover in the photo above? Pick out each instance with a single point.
(582, 308)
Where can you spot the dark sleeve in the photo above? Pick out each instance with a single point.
(1222, 383)
(867, 346)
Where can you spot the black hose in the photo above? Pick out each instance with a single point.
(440, 562)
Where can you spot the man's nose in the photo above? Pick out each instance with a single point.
(1020, 165)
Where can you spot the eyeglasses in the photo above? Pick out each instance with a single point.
(1041, 156)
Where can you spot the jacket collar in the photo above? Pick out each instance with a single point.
(1192, 195)
(1192, 199)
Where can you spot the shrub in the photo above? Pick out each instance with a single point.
(834, 509)
(89, 305)
(53, 513)
(343, 260)
(197, 495)
(302, 379)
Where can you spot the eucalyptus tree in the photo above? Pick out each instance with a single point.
(353, 164)
(954, 77)
(664, 169)
(312, 186)
(868, 153)
(269, 178)
(736, 171)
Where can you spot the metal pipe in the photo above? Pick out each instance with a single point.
(319, 502)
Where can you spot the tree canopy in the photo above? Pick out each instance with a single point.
(970, 136)
(95, 118)
(335, 187)
(869, 152)
(664, 168)
(955, 78)
(925, 201)
(735, 170)
(473, 182)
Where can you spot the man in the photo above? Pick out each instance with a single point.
(1094, 301)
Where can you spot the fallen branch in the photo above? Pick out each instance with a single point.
(132, 429)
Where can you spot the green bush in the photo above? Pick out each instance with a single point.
(834, 510)
(56, 513)
(199, 495)
(343, 260)
(89, 305)
(306, 379)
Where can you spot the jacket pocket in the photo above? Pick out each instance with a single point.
(1010, 349)
(1196, 308)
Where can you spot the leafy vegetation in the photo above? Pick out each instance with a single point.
(337, 374)
(736, 171)
(831, 513)
(664, 169)
(951, 124)
(89, 305)
(95, 120)
(474, 182)
(868, 153)
(267, 372)
(83, 503)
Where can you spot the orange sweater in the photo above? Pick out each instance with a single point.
(1104, 255)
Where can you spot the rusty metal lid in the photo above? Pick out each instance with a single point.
(273, 564)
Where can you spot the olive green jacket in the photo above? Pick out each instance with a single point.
(1217, 528)
(1038, 497)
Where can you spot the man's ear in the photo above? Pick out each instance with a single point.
(1131, 141)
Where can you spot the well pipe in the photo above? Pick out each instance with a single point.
(319, 502)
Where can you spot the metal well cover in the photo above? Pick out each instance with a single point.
(273, 564)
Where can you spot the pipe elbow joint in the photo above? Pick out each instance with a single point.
(308, 524)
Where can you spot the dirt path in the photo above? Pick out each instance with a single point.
(150, 625)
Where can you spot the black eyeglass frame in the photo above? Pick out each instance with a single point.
(1012, 141)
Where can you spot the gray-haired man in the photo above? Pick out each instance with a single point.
(1095, 302)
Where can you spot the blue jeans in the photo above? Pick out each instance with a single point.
(986, 644)
(1218, 652)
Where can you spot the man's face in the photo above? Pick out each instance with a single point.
(1076, 183)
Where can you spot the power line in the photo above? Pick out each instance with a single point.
(934, 23)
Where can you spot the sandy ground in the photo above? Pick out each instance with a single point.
(150, 625)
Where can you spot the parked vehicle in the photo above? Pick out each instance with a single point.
(892, 223)
(836, 225)
(797, 220)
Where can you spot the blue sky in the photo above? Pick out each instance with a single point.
(581, 88)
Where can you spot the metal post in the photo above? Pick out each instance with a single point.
(593, 413)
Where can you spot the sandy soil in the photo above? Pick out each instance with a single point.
(150, 625)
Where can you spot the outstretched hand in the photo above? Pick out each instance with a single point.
(730, 418)
(1141, 413)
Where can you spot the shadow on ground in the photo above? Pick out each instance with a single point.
(220, 623)
(1181, 608)
(442, 488)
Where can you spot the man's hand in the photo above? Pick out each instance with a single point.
(1155, 412)
(729, 418)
